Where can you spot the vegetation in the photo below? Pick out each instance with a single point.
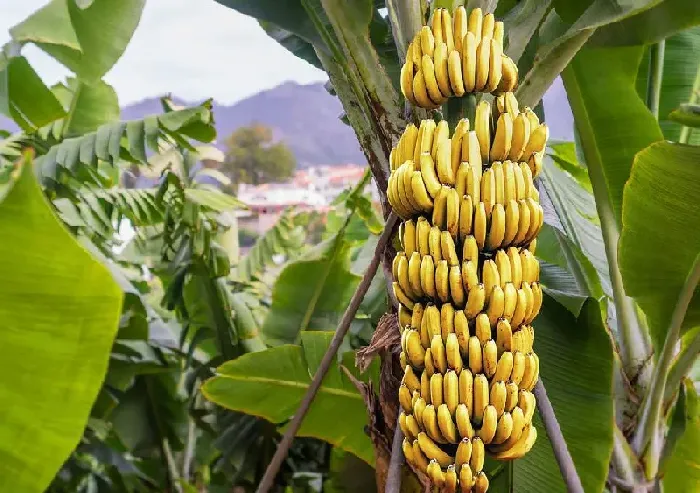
(106, 344)
(252, 157)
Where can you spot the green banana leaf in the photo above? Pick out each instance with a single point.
(312, 292)
(58, 317)
(613, 132)
(661, 234)
(682, 469)
(270, 384)
(576, 368)
(89, 105)
(88, 41)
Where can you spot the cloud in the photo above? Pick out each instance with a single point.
(193, 48)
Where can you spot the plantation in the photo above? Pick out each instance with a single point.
(515, 313)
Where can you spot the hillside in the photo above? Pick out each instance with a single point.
(306, 117)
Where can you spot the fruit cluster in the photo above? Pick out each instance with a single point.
(467, 279)
(452, 57)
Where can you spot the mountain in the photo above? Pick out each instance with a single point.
(306, 118)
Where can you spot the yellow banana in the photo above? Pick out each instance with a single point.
(408, 451)
(466, 478)
(441, 72)
(475, 359)
(420, 92)
(497, 397)
(419, 457)
(432, 450)
(427, 276)
(428, 363)
(490, 276)
(461, 130)
(452, 212)
(420, 193)
(519, 424)
(440, 208)
(504, 367)
(509, 191)
(450, 382)
(479, 225)
(414, 349)
(536, 162)
(482, 328)
(454, 72)
(462, 171)
(512, 222)
(528, 261)
(483, 56)
(487, 27)
(504, 428)
(536, 219)
(530, 301)
(405, 399)
(496, 305)
(434, 243)
(425, 382)
(498, 227)
(509, 75)
(466, 391)
(451, 480)
(533, 243)
(404, 317)
(516, 375)
(408, 236)
(488, 190)
(519, 448)
(405, 187)
(402, 273)
(470, 249)
(442, 281)
(481, 483)
(527, 179)
(537, 141)
(437, 348)
(427, 41)
(424, 139)
(537, 301)
(402, 296)
(417, 52)
(521, 136)
(523, 222)
(460, 27)
(430, 424)
(503, 267)
(482, 126)
(400, 191)
(464, 427)
(407, 82)
(403, 359)
(475, 22)
(495, 66)
(526, 402)
(516, 267)
(427, 171)
(457, 292)
(419, 407)
(407, 143)
(490, 358)
(499, 181)
(436, 474)
(466, 215)
(531, 372)
(521, 189)
(469, 61)
(476, 461)
(422, 232)
(471, 153)
(488, 425)
(510, 300)
(443, 160)
(432, 317)
(475, 301)
(410, 379)
(412, 426)
(447, 248)
(498, 33)
(504, 336)
(447, 321)
(414, 278)
(442, 132)
(469, 274)
(462, 332)
(436, 26)
(447, 29)
(502, 139)
(448, 429)
(511, 396)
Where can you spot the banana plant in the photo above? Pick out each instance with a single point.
(618, 375)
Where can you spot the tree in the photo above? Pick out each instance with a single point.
(252, 157)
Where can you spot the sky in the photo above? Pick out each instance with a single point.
(195, 49)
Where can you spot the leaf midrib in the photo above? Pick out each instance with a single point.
(291, 384)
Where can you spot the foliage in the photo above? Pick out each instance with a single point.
(252, 157)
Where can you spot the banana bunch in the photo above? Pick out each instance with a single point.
(456, 56)
(467, 279)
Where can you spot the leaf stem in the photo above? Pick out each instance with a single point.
(651, 412)
(656, 75)
(684, 362)
(694, 96)
(283, 448)
(561, 452)
(393, 477)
